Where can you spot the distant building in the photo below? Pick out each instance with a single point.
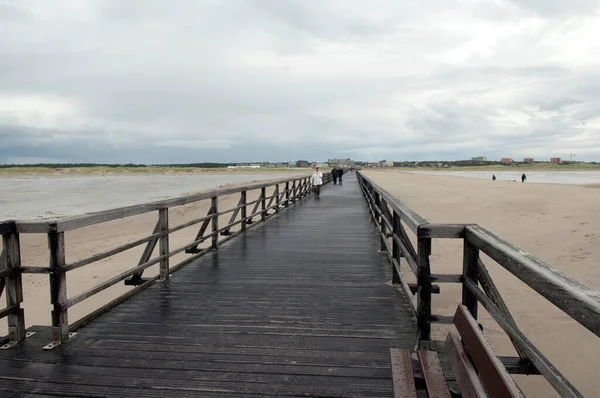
(506, 160)
(528, 160)
(302, 163)
(340, 162)
(479, 159)
(386, 163)
(555, 160)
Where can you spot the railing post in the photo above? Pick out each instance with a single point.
(471, 271)
(424, 291)
(277, 200)
(58, 287)
(14, 288)
(377, 207)
(263, 204)
(287, 194)
(244, 210)
(396, 251)
(215, 222)
(163, 243)
(383, 234)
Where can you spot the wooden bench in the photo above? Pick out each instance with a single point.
(404, 379)
(478, 370)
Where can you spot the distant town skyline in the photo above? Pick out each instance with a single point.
(226, 81)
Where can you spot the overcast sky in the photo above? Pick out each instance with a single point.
(166, 81)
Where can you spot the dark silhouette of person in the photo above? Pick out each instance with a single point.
(334, 174)
(523, 177)
(494, 178)
(340, 173)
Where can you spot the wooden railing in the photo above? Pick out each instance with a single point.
(393, 220)
(272, 197)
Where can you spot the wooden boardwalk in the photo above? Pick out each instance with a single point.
(299, 306)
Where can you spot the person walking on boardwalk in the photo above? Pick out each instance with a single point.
(523, 177)
(334, 174)
(340, 172)
(316, 181)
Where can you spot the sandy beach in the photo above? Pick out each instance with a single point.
(556, 223)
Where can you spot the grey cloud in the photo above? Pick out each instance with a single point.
(228, 80)
(559, 8)
(15, 14)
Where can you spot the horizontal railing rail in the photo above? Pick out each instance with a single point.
(272, 197)
(390, 217)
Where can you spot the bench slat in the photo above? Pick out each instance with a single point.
(492, 372)
(469, 383)
(434, 375)
(402, 374)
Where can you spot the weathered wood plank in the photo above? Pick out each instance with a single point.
(424, 293)
(494, 376)
(433, 374)
(128, 211)
(58, 287)
(163, 221)
(402, 375)
(14, 287)
(554, 377)
(148, 250)
(470, 270)
(110, 253)
(200, 235)
(7, 227)
(574, 298)
(489, 287)
(446, 278)
(215, 222)
(466, 376)
(442, 231)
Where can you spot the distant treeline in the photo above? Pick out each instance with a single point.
(129, 165)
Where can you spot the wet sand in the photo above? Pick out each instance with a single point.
(556, 223)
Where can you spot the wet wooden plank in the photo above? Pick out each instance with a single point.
(433, 374)
(466, 376)
(491, 370)
(402, 374)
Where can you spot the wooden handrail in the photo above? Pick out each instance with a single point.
(295, 189)
(571, 296)
(74, 222)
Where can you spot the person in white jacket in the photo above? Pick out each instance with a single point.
(316, 181)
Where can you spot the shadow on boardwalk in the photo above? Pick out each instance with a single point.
(296, 307)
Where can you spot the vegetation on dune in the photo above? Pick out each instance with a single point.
(130, 168)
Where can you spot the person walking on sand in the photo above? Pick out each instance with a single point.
(316, 181)
(334, 175)
(523, 177)
(494, 177)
